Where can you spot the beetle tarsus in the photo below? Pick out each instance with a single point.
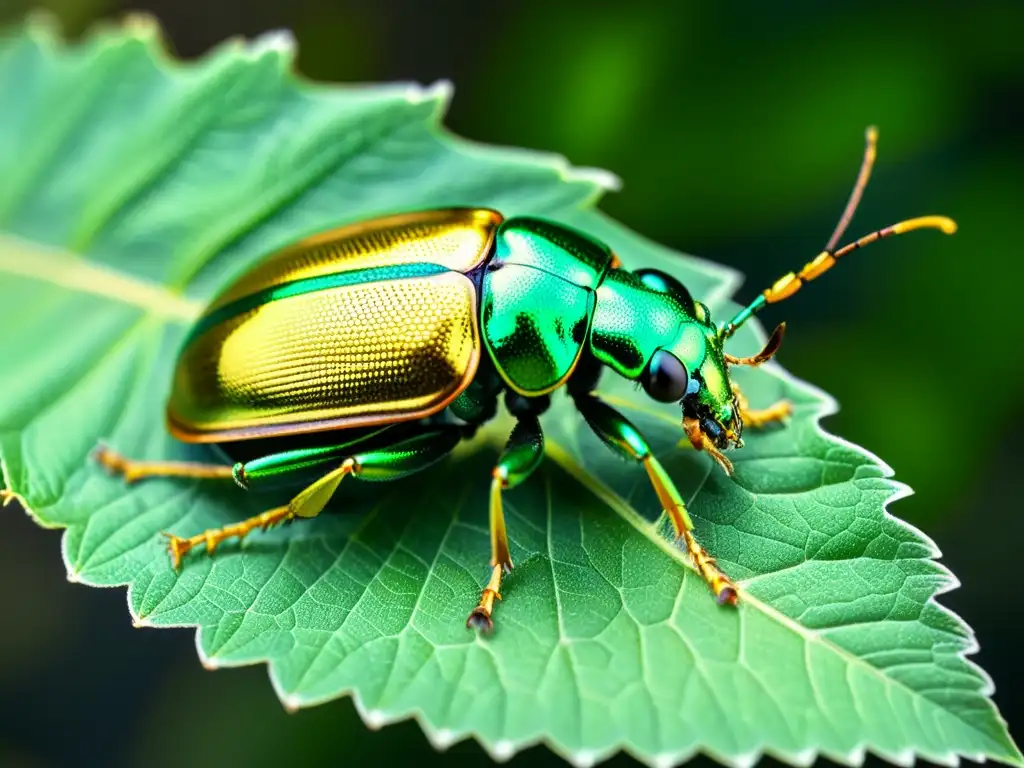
(480, 618)
(178, 547)
(113, 462)
(776, 412)
(132, 471)
(480, 621)
(724, 589)
(757, 418)
(727, 596)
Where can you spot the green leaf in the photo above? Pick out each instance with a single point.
(133, 187)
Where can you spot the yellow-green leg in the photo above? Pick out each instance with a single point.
(388, 462)
(178, 546)
(522, 455)
(626, 440)
(133, 471)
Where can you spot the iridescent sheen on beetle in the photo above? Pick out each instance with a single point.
(373, 349)
(360, 326)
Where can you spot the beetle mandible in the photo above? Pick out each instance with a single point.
(371, 350)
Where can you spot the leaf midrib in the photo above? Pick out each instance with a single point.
(65, 269)
(626, 511)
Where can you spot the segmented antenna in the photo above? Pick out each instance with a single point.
(789, 284)
(870, 153)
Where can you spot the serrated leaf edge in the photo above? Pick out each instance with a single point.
(504, 749)
(45, 28)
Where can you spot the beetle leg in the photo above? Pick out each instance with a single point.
(389, 462)
(137, 470)
(307, 503)
(622, 437)
(178, 547)
(758, 418)
(522, 455)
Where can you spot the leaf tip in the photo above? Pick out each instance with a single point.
(275, 41)
(599, 177)
(375, 719)
(504, 749)
(856, 756)
(745, 759)
(585, 758)
(441, 91)
(42, 23)
(804, 758)
(1015, 756)
(142, 26)
(444, 738)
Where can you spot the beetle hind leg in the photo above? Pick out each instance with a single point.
(388, 462)
(522, 455)
(132, 470)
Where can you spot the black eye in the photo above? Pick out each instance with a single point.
(665, 378)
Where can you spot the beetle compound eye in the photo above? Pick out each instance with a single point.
(665, 377)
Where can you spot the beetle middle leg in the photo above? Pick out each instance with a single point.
(522, 455)
(626, 440)
(385, 462)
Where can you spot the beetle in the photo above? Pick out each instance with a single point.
(373, 349)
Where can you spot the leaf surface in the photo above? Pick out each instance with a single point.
(135, 186)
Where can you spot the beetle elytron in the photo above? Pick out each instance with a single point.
(373, 349)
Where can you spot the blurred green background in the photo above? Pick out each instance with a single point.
(737, 129)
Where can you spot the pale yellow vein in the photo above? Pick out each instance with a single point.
(75, 273)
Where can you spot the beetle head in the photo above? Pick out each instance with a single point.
(691, 368)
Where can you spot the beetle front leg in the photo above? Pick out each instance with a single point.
(522, 455)
(621, 436)
(389, 462)
(757, 418)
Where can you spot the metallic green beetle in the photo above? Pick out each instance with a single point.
(373, 349)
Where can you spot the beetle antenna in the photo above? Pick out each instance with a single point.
(824, 261)
(789, 284)
(870, 152)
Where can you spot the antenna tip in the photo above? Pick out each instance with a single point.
(944, 223)
(872, 134)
